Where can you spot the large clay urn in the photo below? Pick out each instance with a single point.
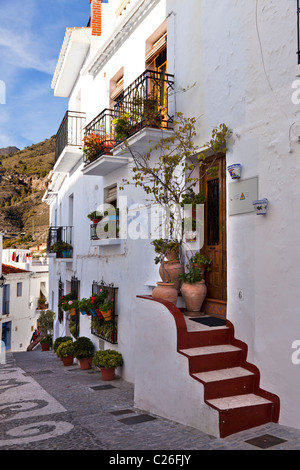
(165, 291)
(170, 272)
(194, 295)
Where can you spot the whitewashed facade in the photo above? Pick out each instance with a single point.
(25, 281)
(238, 65)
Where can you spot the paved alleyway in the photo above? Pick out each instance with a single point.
(46, 406)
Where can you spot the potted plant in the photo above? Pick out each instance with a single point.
(193, 288)
(84, 351)
(122, 126)
(46, 343)
(42, 302)
(93, 145)
(199, 260)
(105, 309)
(70, 306)
(169, 270)
(95, 216)
(45, 321)
(62, 249)
(66, 352)
(58, 341)
(95, 301)
(107, 361)
(84, 306)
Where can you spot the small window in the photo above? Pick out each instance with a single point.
(19, 289)
(5, 299)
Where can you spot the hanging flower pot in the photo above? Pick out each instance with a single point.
(72, 312)
(99, 313)
(261, 206)
(106, 315)
(234, 170)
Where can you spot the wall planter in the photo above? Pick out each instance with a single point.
(235, 170)
(66, 254)
(261, 206)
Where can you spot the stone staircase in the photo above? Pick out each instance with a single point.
(231, 384)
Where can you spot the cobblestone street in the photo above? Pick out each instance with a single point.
(46, 406)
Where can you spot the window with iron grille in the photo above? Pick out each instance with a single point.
(101, 327)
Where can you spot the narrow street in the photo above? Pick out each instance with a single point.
(46, 406)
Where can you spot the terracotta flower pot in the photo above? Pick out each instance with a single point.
(85, 363)
(165, 291)
(107, 374)
(45, 346)
(67, 361)
(171, 269)
(194, 295)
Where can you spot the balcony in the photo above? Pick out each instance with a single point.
(68, 145)
(141, 116)
(100, 140)
(57, 241)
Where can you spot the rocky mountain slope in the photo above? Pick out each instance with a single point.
(23, 181)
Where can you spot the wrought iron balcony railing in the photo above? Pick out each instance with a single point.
(57, 235)
(70, 132)
(145, 103)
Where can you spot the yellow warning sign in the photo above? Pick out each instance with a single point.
(242, 198)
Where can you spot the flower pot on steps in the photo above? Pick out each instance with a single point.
(170, 271)
(165, 291)
(194, 295)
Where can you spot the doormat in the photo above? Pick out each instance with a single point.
(210, 321)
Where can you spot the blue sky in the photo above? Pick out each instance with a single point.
(31, 36)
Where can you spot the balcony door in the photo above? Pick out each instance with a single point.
(214, 248)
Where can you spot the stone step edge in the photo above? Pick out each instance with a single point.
(222, 374)
(204, 350)
(238, 401)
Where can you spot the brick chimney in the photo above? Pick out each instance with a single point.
(96, 20)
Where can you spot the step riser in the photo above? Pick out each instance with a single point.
(216, 361)
(209, 338)
(230, 387)
(240, 419)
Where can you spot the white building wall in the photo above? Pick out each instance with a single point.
(23, 313)
(239, 60)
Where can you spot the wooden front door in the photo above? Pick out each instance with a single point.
(214, 248)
